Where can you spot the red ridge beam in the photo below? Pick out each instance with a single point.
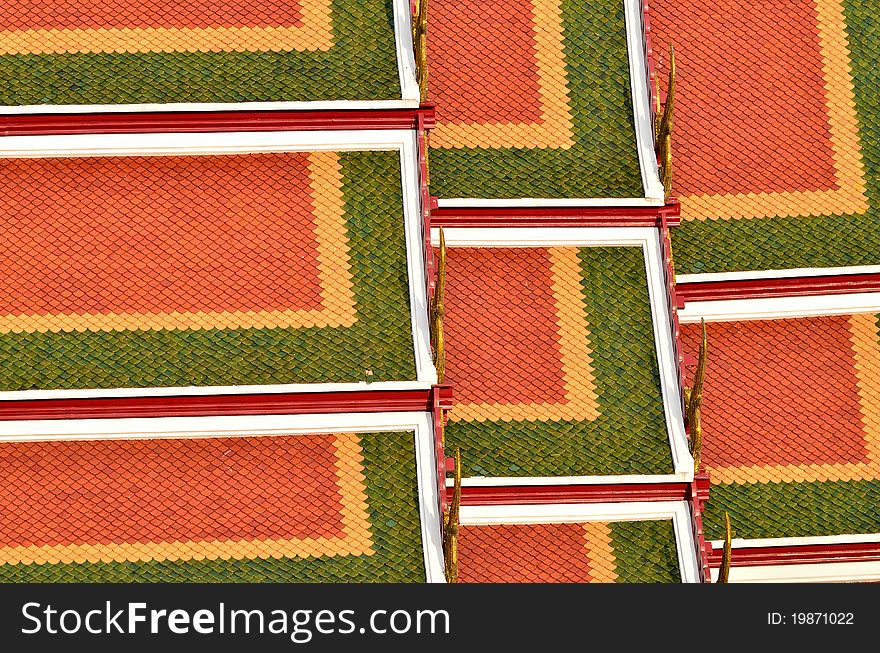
(704, 291)
(799, 554)
(535, 494)
(641, 216)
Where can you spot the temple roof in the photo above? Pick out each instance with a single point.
(553, 357)
(77, 53)
(777, 140)
(534, 100)
(791, 420)
(282, 508)
(204, 270)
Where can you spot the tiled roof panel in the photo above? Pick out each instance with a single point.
(791, 420)
(203, 270)
(85, 52)
(551, 351)
(777, 142)
(285, 508)
(590, 552)
(533, 100)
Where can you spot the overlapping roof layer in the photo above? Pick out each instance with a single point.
(149, 271)
(109, 52)
(791, 420)
(533, 100)
(286, 508)
(777, 140)
(587, 552)
(552, 354)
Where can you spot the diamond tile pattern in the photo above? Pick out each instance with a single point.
(776, 147)
(295, 508)
(204, 270)
(790, 414)
(85, 52)
(533, 100)
(591, 552)
(551, 350)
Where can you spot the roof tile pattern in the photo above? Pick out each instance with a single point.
(792, 413)
(776, 132)
(70, 52)
(72, 508)
(550, 351)
(590, 552)
(533, 100)
(208, 248)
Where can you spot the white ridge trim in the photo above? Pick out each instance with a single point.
(400, 140)
(834, 572)
(648, 238)
(534, 202)
(776, 274)
(740, 543)
(677, 511)
(766, 308)
(420, 424)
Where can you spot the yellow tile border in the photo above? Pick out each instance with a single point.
(581, 402)
(315, 34)
(865, 340)
(557, 128)
(850, 197)
(600, 552)
(334, 274)
(357, 539)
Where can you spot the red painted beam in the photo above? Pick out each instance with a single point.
(786, 287)
(804, 554)
(361, 401)
(213, 121)
(534, 494)
(654, 216)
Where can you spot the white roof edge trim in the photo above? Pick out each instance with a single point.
(778, 308)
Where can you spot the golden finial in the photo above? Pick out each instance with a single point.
(437, 310)
(664, 128)
(450, 526)
(420, 46)
(724, 570)
(693, 399)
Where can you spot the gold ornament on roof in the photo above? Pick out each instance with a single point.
(693, 402)
(437, 342)
(450, 526)
(724, 570)
(663, 126)
(420, 46)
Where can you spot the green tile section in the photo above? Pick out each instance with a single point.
(765, 510)
(629, 436)
(361, 65)
(604, 160)
(392, 491)
(380, 342)
(811, 241)
(646, 552)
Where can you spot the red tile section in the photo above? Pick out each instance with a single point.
(527, 553)
(750, 108)
(500, 326)
(779, 392)
(484, 66)
(171, 490)
(158, 234)
(85, 14)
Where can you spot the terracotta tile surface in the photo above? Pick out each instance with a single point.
(174, 241)
(765, 112)
(791, 400)
(517, 334)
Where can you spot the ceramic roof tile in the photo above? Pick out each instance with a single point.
(551, 351)
(325, 507)
(791, 420)
(203, 270)
(86, 52)
(533, 100)
(590, 552)
(777, 142)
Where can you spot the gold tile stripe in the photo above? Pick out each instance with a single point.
(600, 552)
(850, 197)
(356, 526)
(334, 272)
(581, 401)
(556, 129)
(865, 341)
(315, 34)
